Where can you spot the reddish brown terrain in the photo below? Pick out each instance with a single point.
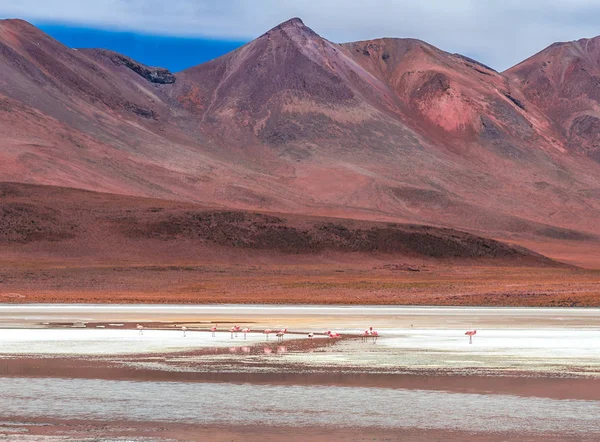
(62, 244)
(562, 81)
(322, 162)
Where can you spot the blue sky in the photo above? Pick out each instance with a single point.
(174, 53)
(499, 33)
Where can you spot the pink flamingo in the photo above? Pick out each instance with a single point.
(184, 329)
(470, 334)
(140, 329)
(366, 335)
(213, 329)
(281, 333)
(236, 329)
(375, 335)
(233, 330)
(246, 330)
(267, 332)
(333, 335)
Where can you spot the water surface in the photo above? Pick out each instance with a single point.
(294, 405)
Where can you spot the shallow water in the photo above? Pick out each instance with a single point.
(293, 405)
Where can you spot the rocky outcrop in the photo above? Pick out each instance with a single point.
(152, 74)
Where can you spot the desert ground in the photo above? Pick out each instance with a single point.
(80, 370)
(373, 281)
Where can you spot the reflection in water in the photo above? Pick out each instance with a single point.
(303, 406)
(267, 350)
(281, 349)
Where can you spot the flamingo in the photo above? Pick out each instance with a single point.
(375, 335)
(470, 334)
(140, 329)
(280, 334)
(183, 329)
(366, 335)
(233, 330)
(213, 329)
(236, 329)
(246, 330)
(311, 335)
(267, 332)
(333, 335)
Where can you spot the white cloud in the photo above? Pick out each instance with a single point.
(497, 32)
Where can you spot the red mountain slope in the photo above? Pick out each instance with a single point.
(390, 129)
(563, 81)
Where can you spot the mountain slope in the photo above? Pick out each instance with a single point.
(389, 129)
(373, 119)
(563, 81)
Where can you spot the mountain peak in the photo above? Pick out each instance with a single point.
(292, 26)
(293, 29)
(294, 21)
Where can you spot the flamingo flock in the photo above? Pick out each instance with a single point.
(370, 333)
(367, 334)
(234, 330)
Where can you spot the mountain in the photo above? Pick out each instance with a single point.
(384, 130)
(563, 81)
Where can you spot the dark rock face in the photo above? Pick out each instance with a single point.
(153, 75)
(140, 111)
(517, 102)
(436, 84)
